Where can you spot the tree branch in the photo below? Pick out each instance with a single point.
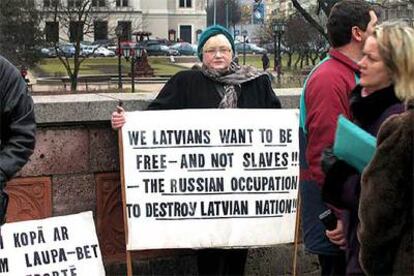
(309, 18)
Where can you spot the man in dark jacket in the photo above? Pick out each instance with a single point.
(17, 126)
(325, 95)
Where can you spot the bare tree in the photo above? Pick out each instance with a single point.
(303, 39)
(20, 34)
(235, 14)
(77, 19)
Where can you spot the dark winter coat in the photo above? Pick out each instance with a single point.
(191, 89)
(17, 121)
(342, 182)
(386, 202)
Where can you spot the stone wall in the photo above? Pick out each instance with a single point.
(75, 168)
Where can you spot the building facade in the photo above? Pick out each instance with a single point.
(166, 19)
(402, 10)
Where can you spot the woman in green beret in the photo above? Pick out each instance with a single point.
(220, 83)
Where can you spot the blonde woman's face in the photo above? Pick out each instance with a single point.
(374, 73)
(217, 53)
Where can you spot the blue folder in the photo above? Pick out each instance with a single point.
(353, 144)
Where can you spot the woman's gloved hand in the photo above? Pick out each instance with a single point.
(328, 160)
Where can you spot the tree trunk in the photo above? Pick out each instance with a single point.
(73, 83)
(297, 61)
(74, 76)
(289, 62)
(314, 58)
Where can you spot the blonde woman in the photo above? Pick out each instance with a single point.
(386, 202)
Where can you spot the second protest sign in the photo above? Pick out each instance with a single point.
(210, 178)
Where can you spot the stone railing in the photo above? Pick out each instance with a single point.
(75, 168)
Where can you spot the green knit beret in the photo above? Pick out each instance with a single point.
(212, 31)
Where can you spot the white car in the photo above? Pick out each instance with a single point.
(103, 52)
(87, 50)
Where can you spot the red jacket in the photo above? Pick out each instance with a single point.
(325, 95)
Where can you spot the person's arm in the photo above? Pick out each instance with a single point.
(172, 95)
(325, 101)
(386, 193)
(341, 184)
(272, 101)
(17, 124)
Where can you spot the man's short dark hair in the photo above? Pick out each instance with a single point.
(345, 15)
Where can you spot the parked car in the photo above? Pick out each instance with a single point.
(49, 52)
(148, 42)
(87, 50)
(104, 43)
(251, 48)
(270, 47)
(103, 52)
(161, 50)
(185, 48)
(66, 50)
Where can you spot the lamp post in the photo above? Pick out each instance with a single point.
(214, 12)
(129, 54)
(118, 32)
(227, 13)
(278, 30)
(132, 54)
(244, 34)
(137, 54)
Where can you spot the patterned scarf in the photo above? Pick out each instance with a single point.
(236, 75)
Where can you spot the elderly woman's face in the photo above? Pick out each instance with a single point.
(374, 73)
(217, 53)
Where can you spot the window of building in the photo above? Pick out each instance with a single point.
(52, 31)
(126, 30)
(74, 3)
(98, 3)
(185, 33)
(122, 3)
(172, 35)
(100, 30)
(185, 3)
(75, 31)
(50, 3)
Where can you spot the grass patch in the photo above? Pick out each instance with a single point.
(53, 67)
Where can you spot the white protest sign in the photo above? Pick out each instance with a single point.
(210, 177)
(57, 246)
